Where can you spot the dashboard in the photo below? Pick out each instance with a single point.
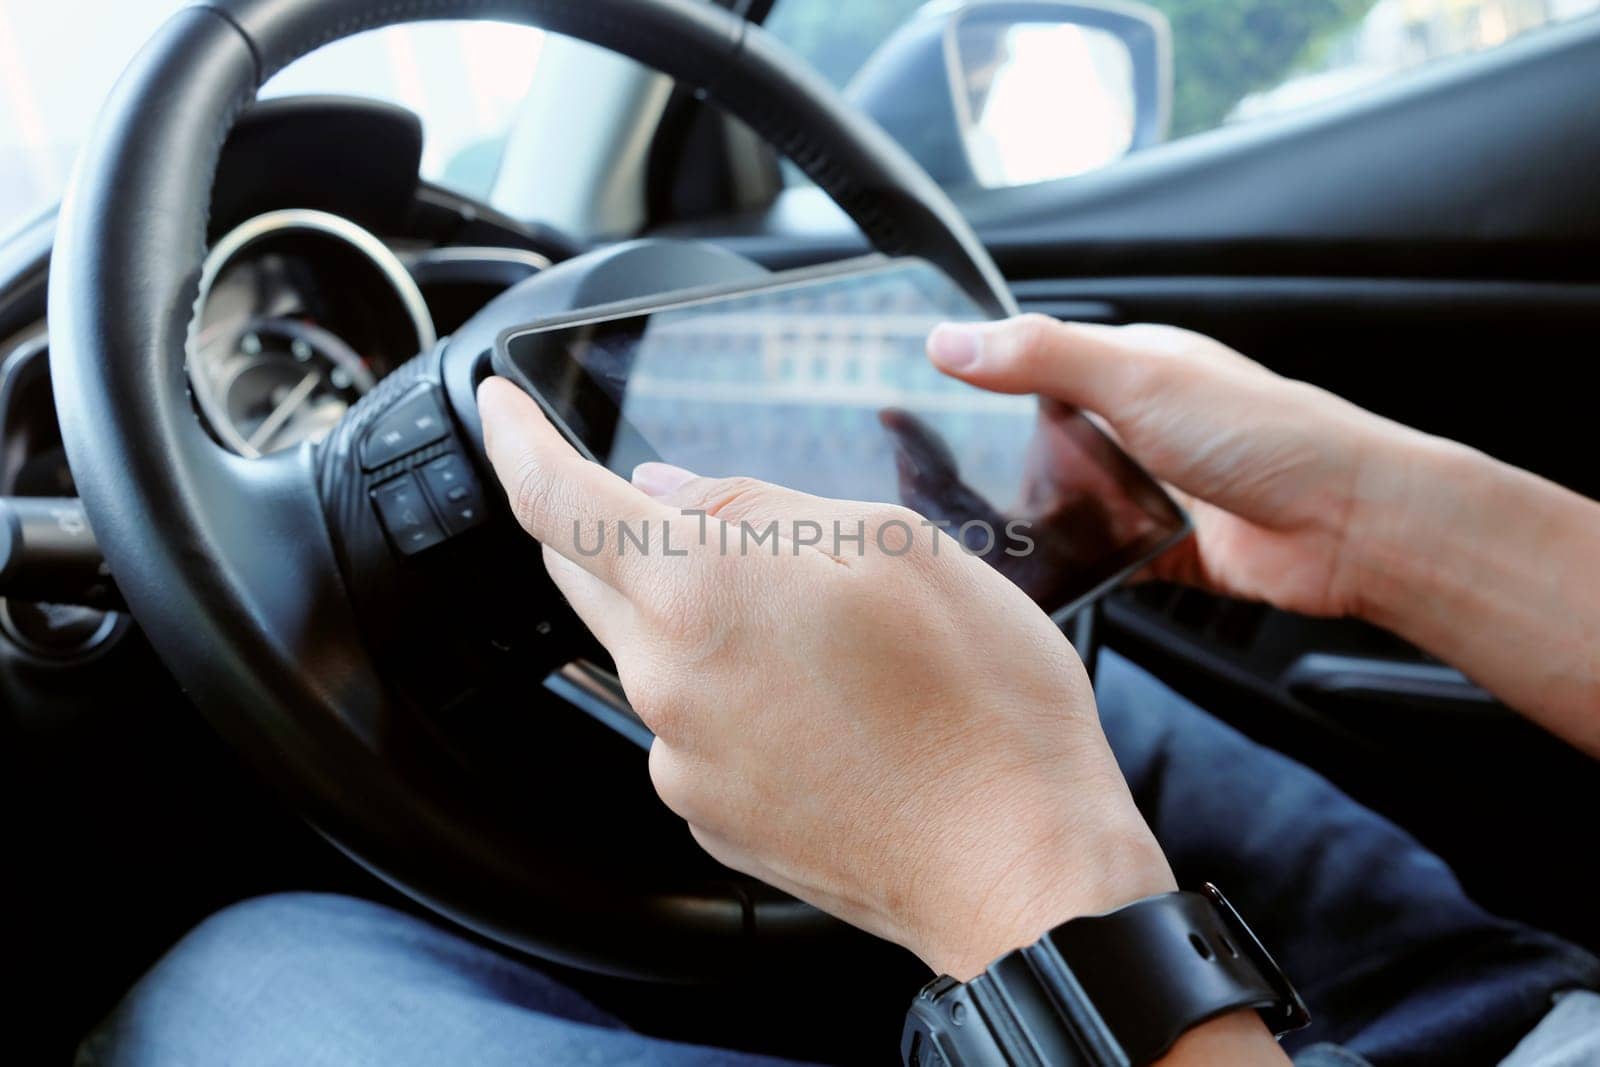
(300, 314)
(330, 264)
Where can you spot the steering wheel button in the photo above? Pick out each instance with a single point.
(404, 512)
(415, 422)
(455, 492)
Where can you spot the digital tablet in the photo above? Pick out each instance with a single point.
(818, 380)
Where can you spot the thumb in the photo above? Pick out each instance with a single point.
(1081, 364)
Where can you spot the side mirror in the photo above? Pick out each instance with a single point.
(999, 93)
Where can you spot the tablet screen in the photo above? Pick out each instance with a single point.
(821, 384)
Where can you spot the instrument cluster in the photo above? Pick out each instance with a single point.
(300, 313)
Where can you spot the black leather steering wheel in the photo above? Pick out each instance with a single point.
(242, 572)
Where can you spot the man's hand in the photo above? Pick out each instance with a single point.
(1275, 473)
(882, 726)
(1306, 501)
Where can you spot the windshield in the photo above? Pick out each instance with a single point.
(59, 59)
(1235, 59)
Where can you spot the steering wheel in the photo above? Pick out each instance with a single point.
(397, 698)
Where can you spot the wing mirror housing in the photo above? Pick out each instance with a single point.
(998, 93)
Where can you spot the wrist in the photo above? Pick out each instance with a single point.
(1409, 506)
(1022, 900)
(1123, 987)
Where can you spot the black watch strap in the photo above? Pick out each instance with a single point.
(1115, 989)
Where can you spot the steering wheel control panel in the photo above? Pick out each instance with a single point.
(422, 536)
(423, 490)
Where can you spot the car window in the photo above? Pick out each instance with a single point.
(59, 59)
(1233, 60)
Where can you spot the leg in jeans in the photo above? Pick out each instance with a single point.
(1394, 961)
(1392, 958)
(323, 981)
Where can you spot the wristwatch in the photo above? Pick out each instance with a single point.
(1112, 990)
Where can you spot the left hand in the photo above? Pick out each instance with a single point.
(903, 740)
(1279, 476)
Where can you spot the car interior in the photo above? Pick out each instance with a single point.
(236, 684)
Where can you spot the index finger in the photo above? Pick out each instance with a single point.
(569, 503)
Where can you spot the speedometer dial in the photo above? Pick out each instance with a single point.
(300, 314)
(290, 381)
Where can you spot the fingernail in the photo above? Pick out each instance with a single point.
(955, 346)
(659, 479)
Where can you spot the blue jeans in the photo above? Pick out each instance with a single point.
(1396, 964)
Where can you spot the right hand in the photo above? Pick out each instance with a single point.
(885, 727)
(1277, 474)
